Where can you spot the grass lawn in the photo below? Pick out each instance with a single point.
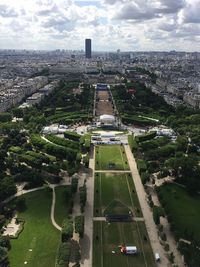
(39, 235)
(183, 208)
(118, 188)
(107, 238)
(110, 154)
(62, 205)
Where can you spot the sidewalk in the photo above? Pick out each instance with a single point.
(150, 225)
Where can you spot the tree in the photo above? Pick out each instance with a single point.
(86, 161)
(79, 225)
(157, 213)
(5, 242)
(83, 196)
(4, 257)
(7, 187)
(67, 230)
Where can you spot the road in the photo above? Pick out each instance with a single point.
(150, 225)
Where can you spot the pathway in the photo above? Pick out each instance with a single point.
(21, 192)
(86, 242)
(150, 225)
(53, 208)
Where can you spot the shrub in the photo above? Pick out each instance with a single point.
(145, 177)
(74, 185)
(157, 213)
(86, 161)
(5, 242)
(146, 137)
(67, 230)
(141, 165)
(63, 254)
(72, 136)
(83, 196)
(79, 225)
(63, 142)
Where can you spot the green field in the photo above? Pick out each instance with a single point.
(183, 208)
(115, 193)
(39, 235)
(62, 205)
(110, 157)
(107, 238)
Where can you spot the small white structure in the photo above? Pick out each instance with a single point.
(107, 119)
(157, 257)
(129, 250)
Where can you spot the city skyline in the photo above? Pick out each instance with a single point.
(132, 25)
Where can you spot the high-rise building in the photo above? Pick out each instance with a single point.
(88, 48)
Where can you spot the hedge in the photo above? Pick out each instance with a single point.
(132, 143)
(72, 136)
(137, 120)
(63, 142)
(157, 213)
(63, 254)
(79, 225)
(146, 137)
(53, 149)
(67, 230)
(141, 165)
(83, 196)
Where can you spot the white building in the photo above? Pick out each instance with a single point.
(107, 119)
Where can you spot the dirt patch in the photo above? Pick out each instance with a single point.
(104, 104)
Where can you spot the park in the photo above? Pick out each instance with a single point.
(37, 243)
(110, 157)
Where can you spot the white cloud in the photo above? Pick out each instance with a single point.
(112, 24)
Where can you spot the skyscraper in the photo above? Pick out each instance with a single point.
(88, 48)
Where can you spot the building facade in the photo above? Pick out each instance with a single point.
(88, 48)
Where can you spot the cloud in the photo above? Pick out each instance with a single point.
(191, 13)
(171, 6)
(134, 11)
(6, 11)
(112, 24)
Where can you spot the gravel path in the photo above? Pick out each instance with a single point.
(150, 225)
(53, 208)
(87, 242)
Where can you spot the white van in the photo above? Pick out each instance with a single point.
(157, 257)
(131, 250)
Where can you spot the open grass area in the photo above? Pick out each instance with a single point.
(62, 204)
(184, 209)
(38, 242)
(115, 193)
(110, 157)
(107, 238)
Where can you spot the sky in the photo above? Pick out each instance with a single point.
(128, 25)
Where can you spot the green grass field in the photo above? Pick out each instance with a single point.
(62, 205)
(110, 157)
(183, 208)
(39, 235)
(115, 189)
(107, 238)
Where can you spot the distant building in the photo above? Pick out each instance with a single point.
(88, 48)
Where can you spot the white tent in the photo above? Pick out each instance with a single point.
(107, 119)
